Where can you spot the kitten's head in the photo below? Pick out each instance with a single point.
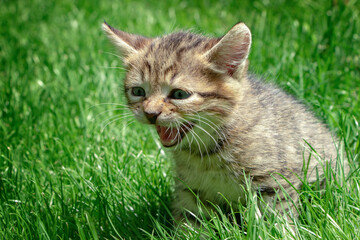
(184, 84)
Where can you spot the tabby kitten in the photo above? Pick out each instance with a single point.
(220, 123)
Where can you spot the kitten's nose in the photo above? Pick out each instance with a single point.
(152, 116)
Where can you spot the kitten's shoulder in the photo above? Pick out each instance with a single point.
(268, 91)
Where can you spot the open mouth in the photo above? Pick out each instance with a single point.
(170, 136)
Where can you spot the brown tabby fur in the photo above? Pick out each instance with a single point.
(239, 125)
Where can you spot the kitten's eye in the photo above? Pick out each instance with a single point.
(179, 94)
(138, 91)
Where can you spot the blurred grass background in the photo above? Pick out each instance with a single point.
(62, 177)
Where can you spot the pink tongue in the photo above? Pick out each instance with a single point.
(167, 135)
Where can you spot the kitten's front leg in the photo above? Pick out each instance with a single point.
(184, 205)
(285, 202)
(185, 210)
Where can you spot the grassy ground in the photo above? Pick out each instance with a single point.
(68, 171)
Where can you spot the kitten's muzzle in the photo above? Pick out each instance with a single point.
(152, 116)
(170, 136)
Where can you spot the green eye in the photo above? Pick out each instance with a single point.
(179, 94)
(138, 91)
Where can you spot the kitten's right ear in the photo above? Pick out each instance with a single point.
(127, 43)
(231, 52)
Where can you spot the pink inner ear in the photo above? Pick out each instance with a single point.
(234, 53)
(235, 58)
(231, 68)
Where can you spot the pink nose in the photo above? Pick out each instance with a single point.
(152, 116)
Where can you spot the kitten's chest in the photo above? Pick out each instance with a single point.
(210, 177)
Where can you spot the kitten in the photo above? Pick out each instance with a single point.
(220, 123)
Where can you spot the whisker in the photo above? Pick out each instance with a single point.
(110, 53)
(197, 142)
(116, 116)
(111, 110)
(189, 142)
(114, 120)
(115, 104)
(178, 135)
(211, 124)
(193, 132)
(134, 66)
(216, 142)
(131, 122)
(121, 68)
(216, 128)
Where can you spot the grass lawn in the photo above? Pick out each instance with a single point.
(73, 164)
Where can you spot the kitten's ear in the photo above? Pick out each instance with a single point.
(127, 43)
(231, 52)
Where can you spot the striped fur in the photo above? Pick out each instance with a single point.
(230, 125)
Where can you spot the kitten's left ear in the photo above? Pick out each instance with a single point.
(231, 52)
(127, 43)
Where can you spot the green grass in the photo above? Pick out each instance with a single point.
(62, 177)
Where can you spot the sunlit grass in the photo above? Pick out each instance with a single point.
(68, 171)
